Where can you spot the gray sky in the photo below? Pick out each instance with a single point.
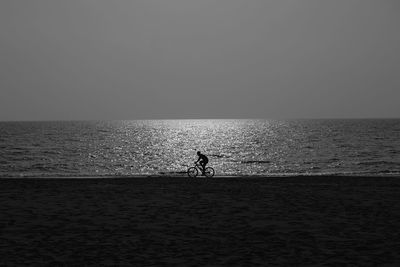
(149, 59)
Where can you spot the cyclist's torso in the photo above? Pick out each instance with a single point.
(203, 158)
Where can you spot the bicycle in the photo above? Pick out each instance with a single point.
(194, 171)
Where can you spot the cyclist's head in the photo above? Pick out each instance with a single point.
(198, 153)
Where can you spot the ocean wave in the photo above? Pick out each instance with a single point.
(255, 161)
(378, 162)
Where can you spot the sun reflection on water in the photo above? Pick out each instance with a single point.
(234, 147)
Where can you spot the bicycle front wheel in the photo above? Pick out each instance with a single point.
(192, 172)
(209, 172)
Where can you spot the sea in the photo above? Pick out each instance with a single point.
(168, 147)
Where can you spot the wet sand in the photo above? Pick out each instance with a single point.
(321, 221)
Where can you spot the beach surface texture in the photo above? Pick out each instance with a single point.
(176, 221)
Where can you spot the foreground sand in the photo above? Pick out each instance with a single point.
(321, 221)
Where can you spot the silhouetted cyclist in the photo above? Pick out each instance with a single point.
(203, 160)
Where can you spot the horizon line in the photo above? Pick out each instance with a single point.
(175, 119)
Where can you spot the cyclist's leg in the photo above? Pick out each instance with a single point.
(203, 166)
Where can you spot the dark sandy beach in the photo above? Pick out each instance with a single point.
(321, 221)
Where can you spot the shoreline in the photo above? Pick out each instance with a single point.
(184, 176)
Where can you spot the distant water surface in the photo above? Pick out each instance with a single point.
(234, 147)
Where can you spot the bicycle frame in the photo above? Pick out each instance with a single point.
(199, 167)
(208, 171)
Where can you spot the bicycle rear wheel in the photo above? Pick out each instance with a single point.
(192, 172)
(209, 172)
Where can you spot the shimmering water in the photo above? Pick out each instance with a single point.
(234, 147)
